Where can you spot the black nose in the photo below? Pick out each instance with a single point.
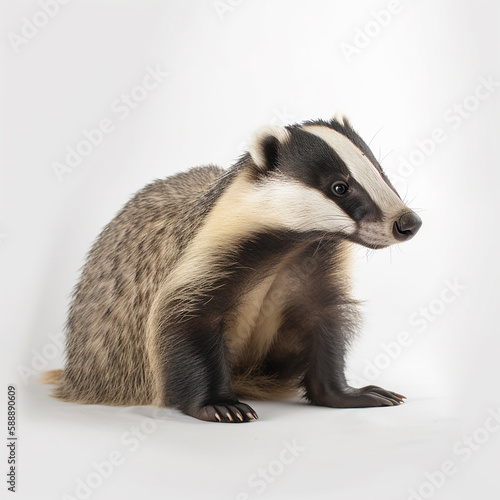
(407, 226)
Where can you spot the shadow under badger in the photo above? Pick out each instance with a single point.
(212, 285)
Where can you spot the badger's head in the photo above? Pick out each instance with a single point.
(321, 176)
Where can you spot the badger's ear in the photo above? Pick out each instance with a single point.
(265, 146)
(342, 118)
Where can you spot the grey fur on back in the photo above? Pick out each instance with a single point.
(106, 356)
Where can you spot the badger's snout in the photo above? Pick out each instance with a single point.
(407, 226)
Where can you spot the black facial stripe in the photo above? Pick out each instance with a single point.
(348, 131)
(358, 204)
(309, 159)
(328, 168)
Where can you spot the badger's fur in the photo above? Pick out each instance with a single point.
(212, 285)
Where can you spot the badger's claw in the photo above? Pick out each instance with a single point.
(368, 396)
(234, 412)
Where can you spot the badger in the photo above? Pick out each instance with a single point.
(217, 285)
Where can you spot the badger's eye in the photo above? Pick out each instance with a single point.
(340, 188)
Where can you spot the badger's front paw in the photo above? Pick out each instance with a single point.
(368, 396)
(234, 412)
(372, 395)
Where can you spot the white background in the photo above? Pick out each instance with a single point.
(230, 71)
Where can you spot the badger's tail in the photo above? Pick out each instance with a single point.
(52, 377)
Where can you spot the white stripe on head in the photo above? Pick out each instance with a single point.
(361, 169)
(276, 202)
(291, 204)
